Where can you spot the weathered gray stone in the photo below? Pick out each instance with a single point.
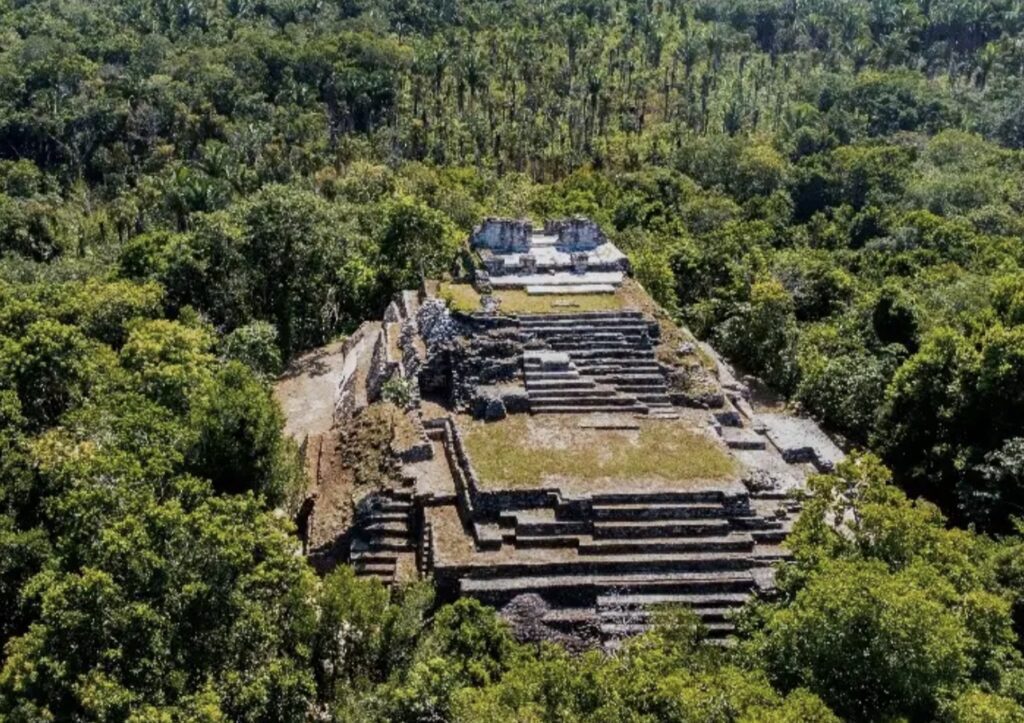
(490, 304)
(502, 234)
(800, 440)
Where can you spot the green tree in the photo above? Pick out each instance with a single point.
(414, 239)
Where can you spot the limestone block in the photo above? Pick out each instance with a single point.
(503, 235)
(495, 265)
(729, 417)
(516, 401)
(482, 281)
(579, 234)
(488, 408)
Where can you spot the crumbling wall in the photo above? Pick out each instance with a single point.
(576, 234)
(356, 350)
(381, 368)
(489, 353)
(503, 235)
(439, 333)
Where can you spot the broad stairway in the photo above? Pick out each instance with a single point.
(594, 362)
(608, 561)
(383, 532)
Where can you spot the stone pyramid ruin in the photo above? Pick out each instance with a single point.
(559, 448)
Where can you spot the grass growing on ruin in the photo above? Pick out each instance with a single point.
(524, 451)
(463, 297)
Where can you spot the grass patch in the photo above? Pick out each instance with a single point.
(459, 297)
(524, 451)
(463, 297)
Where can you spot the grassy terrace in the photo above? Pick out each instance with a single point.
(463, 297)
(532, 451)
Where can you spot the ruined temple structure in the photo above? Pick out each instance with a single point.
(564, 451)
(570, 256)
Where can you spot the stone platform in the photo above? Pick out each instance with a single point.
(648, 495)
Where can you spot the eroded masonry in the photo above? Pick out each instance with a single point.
(538, 434)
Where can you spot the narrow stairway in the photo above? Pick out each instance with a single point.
(612, 350)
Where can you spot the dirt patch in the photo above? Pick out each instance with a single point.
(306, 391)
(333, 484)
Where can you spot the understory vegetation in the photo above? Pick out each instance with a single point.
(194, 191)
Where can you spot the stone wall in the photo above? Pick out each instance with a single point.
(576, 234)
(503, 235)
(490, 354)
(488, 504)
(382, 367)
(350, 398)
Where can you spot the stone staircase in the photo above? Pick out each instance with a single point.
(598, 361)
(383, 533)
(555, 385)
(608, 561)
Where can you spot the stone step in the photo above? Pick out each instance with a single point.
(386, 529)
(598, 399)
(544, 541)
(569, 620)
(631, 380)
(652, 400)
(598, 335)
(373, 557)
(772, 553)
(570, 344)
(381, 568)
(652, 389)
(592, 392)
(630, 629)
(722, 600)
(563, 289)
(579, 355)
(638, 364)
(657, 512)
(665, 563)
(755, 522)
(600, 369)
(584, 323)
(648, 614)
(578, 409)
(392, 544)
(576, 347)
(546, 376)
(590, 331)
(677, 497)
(737, 542)
(586, 329)
(586, 589)
(769, 537)
(575, 382)
(375, 517)
(532, 367)
(598, 316)
(552, 527)
(661, 528)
